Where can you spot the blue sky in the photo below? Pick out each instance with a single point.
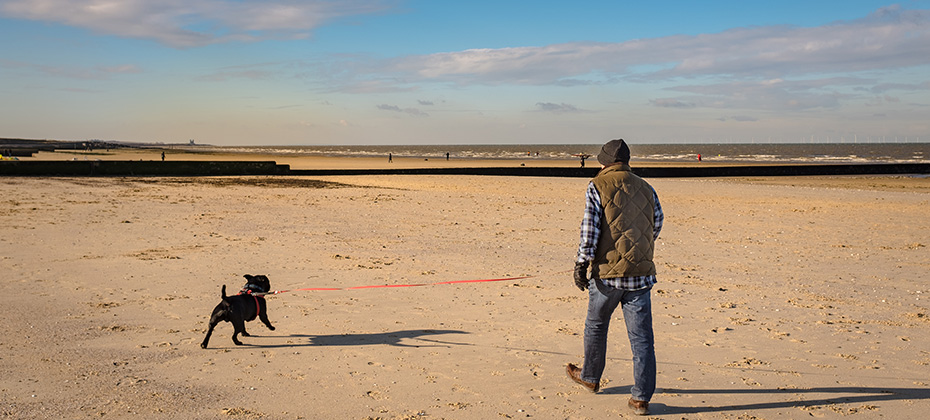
(244, 72)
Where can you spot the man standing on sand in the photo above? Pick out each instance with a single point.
(621, 222)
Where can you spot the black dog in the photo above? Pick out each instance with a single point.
(241, 308)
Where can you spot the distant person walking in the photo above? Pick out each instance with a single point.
(162, 156)
(447, 155)
(622, 219)
(390, 157)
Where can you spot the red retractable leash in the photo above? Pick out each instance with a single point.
(383, 286)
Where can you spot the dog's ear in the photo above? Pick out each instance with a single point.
(263, 282)
(248, 277)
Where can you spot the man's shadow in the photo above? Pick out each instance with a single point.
(406, 338)
(844, 395)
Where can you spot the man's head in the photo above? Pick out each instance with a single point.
(614, 151)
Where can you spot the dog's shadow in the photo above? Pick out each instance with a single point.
(407, 338)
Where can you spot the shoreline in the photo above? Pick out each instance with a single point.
(161, 162)
(415, 156)
(320, 162)
(403, 162)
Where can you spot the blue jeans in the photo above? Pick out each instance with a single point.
(637, 313)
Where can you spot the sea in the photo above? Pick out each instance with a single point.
(786, 153)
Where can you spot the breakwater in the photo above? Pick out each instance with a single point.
(647, 172)
(237, 168)
(138, 168)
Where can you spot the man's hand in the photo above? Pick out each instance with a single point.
(581, 275)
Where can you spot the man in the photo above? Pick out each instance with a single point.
(621, 223)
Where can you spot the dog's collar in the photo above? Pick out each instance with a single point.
(252, 288)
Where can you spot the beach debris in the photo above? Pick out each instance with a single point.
(747, 362)
(240, 411)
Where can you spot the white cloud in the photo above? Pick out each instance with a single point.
(123, 69)
(190, 23)
(885, 87)
(72, 72)
(561, 108)
(410, 111)
(784, 95)
(520, 65)
(739, 118)
(890, 38)
(671, 103)
(249, 72)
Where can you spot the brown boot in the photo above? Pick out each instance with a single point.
(574, 372)
(640, 408)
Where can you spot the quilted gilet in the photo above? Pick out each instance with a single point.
(625, 247)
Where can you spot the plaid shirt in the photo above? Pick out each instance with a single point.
(591, 232)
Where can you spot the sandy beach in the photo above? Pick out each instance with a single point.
(777, 297)
(297, 161)
(321, 162)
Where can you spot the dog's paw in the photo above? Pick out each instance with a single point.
(245, 334)
(203, 345)
(271, 328)
(237, 342)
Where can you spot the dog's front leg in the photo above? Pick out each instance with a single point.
(263, 314)
(264, 317)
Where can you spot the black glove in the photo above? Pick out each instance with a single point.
(581, 275)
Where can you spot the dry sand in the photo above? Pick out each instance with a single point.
(777, 298)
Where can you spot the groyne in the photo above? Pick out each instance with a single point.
(138, 168)
(647, 172)
(236, 168)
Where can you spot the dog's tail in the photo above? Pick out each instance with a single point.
(224, 291)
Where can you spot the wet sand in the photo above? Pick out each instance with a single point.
(325, 162)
